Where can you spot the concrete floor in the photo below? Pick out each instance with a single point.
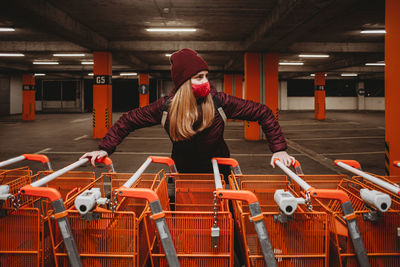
(343, 135)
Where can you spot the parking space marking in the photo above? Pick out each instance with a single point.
(338, 138)
(336, 129)
(81, 137)
(43, 150)
(80, 120)
(354, 153)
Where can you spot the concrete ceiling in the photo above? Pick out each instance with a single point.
(226, 29)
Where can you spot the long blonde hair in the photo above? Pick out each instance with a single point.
(184, 113)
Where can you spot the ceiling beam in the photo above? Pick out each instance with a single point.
(171, 46)
(35, 46)
(327, 47)
(44, 16)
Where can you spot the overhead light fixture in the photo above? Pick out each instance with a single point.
(168, 55)
(87, 62)
(313, 56)
(291, 63)
(11, 55)
(46, 62)
(349, 74)
(90, 74)
(373, 31)
(375, 64)
(39, 74)
(313, 74)
(128, 73)
(171, 29)
(7, 29)
(69, 55)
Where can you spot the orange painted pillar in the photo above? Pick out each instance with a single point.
(28, 97)
(239, 85)
(228, 84)
(271, 63)
(102, 93)
(143, 89)
(319, 96)
(252, 91)
(392, 92)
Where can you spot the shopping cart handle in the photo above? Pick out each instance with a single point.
(36, 157)
(396, 163)
(227, 161)
(329, 194)
(243, 195)
(162, 160)
(32, 157)
(353, 163)
(47, 192)
(143, 193)
(108, 162)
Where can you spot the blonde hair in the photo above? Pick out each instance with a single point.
(184, 113)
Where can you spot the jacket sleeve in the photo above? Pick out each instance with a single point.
(135, 119)
(237, 108)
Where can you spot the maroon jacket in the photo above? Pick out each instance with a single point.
(194, 155)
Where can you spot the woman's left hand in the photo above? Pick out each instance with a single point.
(284, 157)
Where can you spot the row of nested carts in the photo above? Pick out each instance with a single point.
(73, 218)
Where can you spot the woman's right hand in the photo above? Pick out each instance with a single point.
(98, 154)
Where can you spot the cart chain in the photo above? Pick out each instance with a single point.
(308, 201)
(114, 201)
(16, 201)
(215, 210)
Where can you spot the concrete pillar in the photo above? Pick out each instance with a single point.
(283, 103)
(238, 85)
(360, 98)
(319, 96)
(143, 89)
(102, 93)
(271, 63)
(228, 84)
(28, 97)
(392, 81)
(252, 91)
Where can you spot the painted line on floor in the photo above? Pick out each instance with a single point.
(165, 153)
(319, 158)
(166, 138)
(338, 138)
(354, 153)
(80, 120)
(336, 129)
(81, 137)
(43, 150)
(283, 123)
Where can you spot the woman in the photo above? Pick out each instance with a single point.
(193, 119)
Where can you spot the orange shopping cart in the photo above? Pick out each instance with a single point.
(26, 227)
(117, 231)
(196, 211)
(298, 237)
(350, 217)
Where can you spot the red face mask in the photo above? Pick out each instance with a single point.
(201, 90)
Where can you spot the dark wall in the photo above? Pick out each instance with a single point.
(5, 95)
(125, 94)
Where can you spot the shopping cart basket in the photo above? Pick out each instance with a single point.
(117, 231)
(350, 217)
(298, 237)
(25, 229)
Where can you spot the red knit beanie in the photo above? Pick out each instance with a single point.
(184, 64)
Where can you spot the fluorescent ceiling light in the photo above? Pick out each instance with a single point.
(349, 74)
(68, 55)
(45, 62)
(168, 55)
(11, 55)
(313, 74)
(6, 29)
(90, 74)
(313, 56)
(128, 73)
(373, 31)
(39, 74)
(171, 30)
(291, 63)
(375, 64)
(87, 62)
